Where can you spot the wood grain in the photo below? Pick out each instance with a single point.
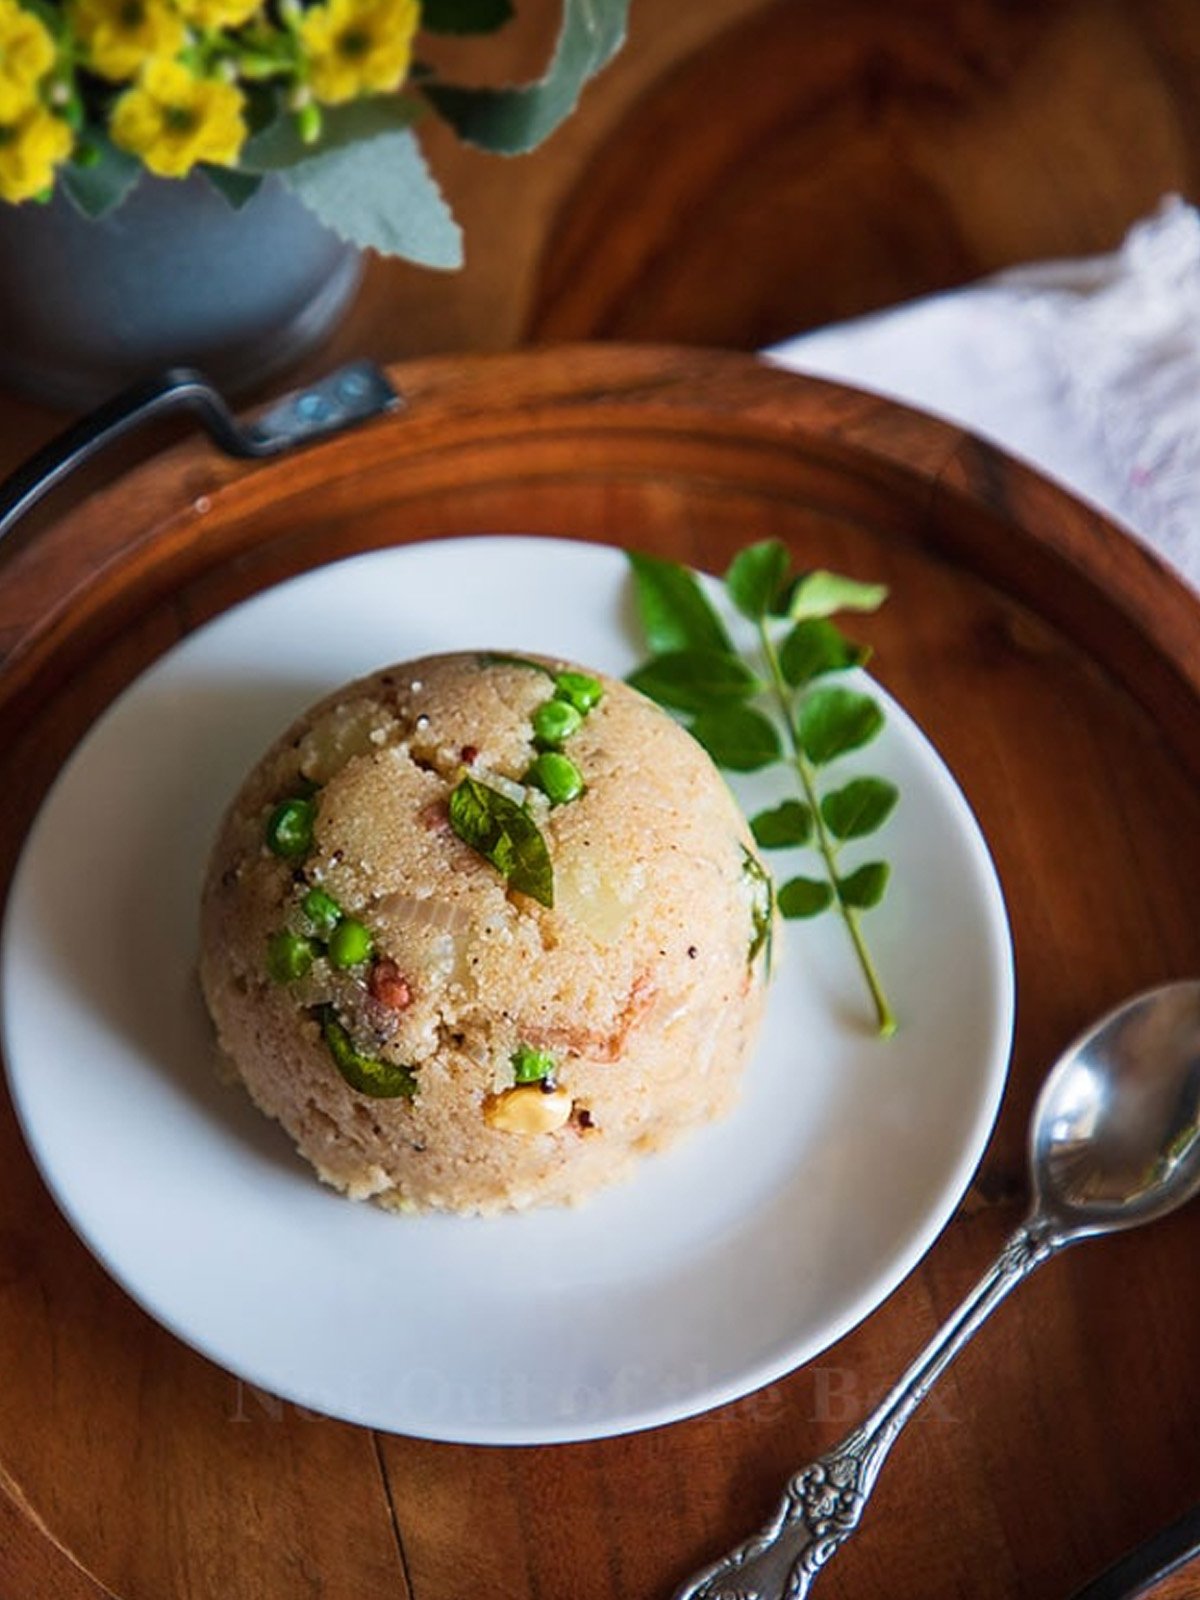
(1056, 667)
(813, 162)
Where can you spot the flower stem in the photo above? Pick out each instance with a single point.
(826, 847)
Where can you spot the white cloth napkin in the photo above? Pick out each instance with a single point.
(1087, 369)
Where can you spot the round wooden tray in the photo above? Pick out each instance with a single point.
(1056, 666)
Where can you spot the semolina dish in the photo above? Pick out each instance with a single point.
(481, 930)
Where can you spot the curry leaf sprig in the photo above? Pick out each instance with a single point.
(696, 669)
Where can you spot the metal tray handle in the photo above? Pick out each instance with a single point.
(342, 399)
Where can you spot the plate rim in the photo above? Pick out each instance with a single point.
(749, 1380)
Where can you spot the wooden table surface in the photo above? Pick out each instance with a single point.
(1056, 669)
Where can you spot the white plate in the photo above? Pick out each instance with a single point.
(721, 1265)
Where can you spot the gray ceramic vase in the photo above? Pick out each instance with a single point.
(174, 275)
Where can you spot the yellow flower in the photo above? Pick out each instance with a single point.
(218, 13)
(121, 36)
(31, 147)
(173, 119)
(26, 55)
(357, 47)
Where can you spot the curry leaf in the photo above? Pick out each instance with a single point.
(815, 647)
(505, 835)
(755, 577)
(498, 658)
(862, 806)
(820, 594)
(790, 823)
(804, 897)
(864, 887)
(694, 680)
(382, 1080)
(738, 737)
(833, 721)
(672, 607)
(694, 668)
(762, 908)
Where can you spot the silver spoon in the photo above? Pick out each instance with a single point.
(1114, 1142)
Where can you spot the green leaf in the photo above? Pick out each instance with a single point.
(804, 897)
(234, 186)
(379, 194)
(464, 16)
(738, 737)
(694, 680)
(279, 145)
(382, 1080)
(755, 577)
(787, 824)
(505, 835)
(864, 887)
(762, 907)
(100, 187)
(497, 658)
(511, 121)
(673, 609)
(365, 178)
(378, 1079)
(820, 594)
(265, 106)
(832, 721)
(815, 647)
(862, 806)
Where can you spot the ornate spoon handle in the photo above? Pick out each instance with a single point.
(823, 1503)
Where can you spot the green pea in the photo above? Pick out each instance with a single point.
(556, 776)
(383, 1080)
(322, 910)
(530, 1065)
(578, 689)
(290, 828)
(555, 721)
(289, 957)
(350, 943)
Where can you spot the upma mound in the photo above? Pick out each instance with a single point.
(480, 930)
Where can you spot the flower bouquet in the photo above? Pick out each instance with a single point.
(325, 93)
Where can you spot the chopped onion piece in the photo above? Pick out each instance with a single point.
(410, 911)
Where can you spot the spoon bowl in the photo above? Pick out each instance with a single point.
(1115, 1138)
